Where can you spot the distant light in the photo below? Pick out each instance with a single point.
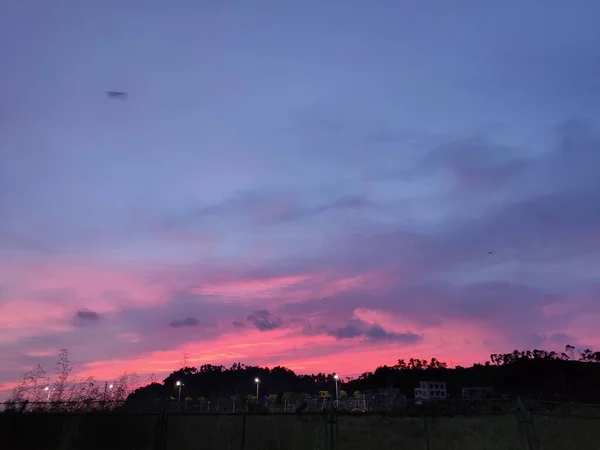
(256, 380)
(110, 386)
(46, 388)
(335, 376)
(178, 383)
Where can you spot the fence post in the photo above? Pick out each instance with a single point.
(243, 444)
(333, 429)
(337, 428)
(160, 437)
(330, 430)
(425, 423)
(526, 426)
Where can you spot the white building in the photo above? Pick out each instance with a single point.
(430, 390)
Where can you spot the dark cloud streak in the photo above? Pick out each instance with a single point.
(371, 332)
(188, 322)
(265, 321)
(89, 316)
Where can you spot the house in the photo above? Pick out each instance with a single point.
(430, 390)
(476, 392)
(385, 398)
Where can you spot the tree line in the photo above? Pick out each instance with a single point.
(571, 375)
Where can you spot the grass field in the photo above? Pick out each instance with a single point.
(290, 432)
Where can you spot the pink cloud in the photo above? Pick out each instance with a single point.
(250, 289)
(43, 298)
(302, 353)
(23, 318)
(329, 285)
(292, 288)
(87, 282)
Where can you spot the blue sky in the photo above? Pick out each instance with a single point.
(316, 166)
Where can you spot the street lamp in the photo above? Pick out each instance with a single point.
(179, 384)
(257, 381)
(106, 389)
(337, 398)
(47, 389)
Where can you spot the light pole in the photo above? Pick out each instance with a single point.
(179, 384)
(106, 388)
(337, 397)
(257, 381)
(47, 389)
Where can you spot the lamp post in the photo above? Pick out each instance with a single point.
(257, 381)
(106, 388)
(337, 397)
(179, 385)
(47, 389)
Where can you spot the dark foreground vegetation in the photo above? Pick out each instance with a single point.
(570, 376)
(531, 406)
(329, 430)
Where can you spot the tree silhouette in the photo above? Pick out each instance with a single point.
(572, 375)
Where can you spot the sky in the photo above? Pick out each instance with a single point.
(329, 186)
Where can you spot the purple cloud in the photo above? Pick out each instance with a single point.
(188, 322)
(87, 316)
(372, 333)
(264, 320)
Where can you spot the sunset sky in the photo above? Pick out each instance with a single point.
(328, 186)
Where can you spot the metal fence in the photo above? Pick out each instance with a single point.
(545, 427)
(77, 406)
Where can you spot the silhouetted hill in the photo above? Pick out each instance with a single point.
(537, 374)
